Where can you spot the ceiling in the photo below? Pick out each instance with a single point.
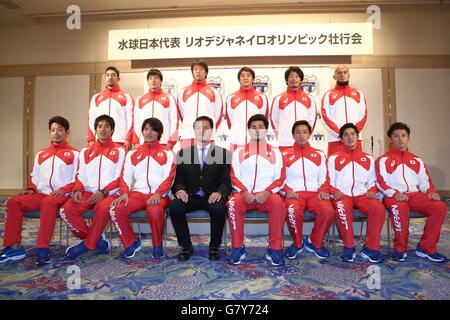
(48, 11)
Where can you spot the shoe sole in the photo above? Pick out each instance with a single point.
(134, 253)
(269, 258)
(315, 253)
(13, 258)
(242, 257)
(72, 246)
(163, 256)
(365, 256)
(295, 255)
(350, 260)
(42, 263)
(424, 255)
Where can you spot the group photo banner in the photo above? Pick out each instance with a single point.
(241, 41)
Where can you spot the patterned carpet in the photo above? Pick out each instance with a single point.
(108, 277)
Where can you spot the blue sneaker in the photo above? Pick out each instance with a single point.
(9, 254)
(158, 252)
(399, 256)
(131, 250)
(237, 255)
(373, 255)
(320, 253)
(348, 254)
(292, 251)
(75, 251)
(436, 257)
(275, 257)
(43, 256)
(103, 245)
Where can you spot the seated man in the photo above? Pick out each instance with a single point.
(95, 188)
(406, 185)
(352, 185)
(50, 185)
(152, 168)
(202, 182)
(306, 187)
(257, 174)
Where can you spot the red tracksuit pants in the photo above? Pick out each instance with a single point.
(155, 213)
(372, 208)
(17, 205)
(274, 205)
(71, 212)
(323, 209)
(434, 210)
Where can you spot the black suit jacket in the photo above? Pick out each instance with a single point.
(215, 176)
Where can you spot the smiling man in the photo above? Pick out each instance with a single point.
(406, 185)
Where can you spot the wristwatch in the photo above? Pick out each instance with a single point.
(104, 192)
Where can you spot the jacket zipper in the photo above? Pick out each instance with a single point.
(99, 169)
(256, 167)
(303, 167)
(353, 172)
(403, 172)
(51, 176)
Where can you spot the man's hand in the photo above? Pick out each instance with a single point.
(262, 196)
(170, 146)
(123, 198)
(91, 143)
(28, 191)
(96, 197)
(135, 146)
(214, 197)
(127, 145)
(77, 196)
(323, 196)
(371, 195)
(434, 196)
(182, 195)
(58, 193)
(249, 198)
(401, 196)
(154, 199)
(338, 195)
(291, 195)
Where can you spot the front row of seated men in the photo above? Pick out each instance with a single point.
(257, 176)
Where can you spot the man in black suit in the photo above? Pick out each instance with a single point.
(202, 182)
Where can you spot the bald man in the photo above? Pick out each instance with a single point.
(342, 105)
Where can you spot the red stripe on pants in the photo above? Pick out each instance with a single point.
(274, 206)
(433, 209)
(323, 209)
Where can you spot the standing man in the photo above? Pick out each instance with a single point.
(156, 104)
(406, 185)
(50, 185)
(95, 188)
(202, 182)
(306, 188)
(152, 169)
(241, 105)
(291, 106)
(342, 105)
(196, 100)
(115, 103)
(257, 174)
(352, 185)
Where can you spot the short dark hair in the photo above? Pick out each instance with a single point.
(258, 117)
(59, 120)
(113, 69)
(205, 118)
(155, 72)
(301, 123)
(104, 117)
(297, 70)
(201, 63)
(248, 69)
(398, 126)
(155, 124)
(347, 126)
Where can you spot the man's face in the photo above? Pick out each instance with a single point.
(342, 74)
(399, 139)
(203, 131)
(111, 79)
(257, 130)
(294, 81)
(58, 133)
(350, 138)
(199, 73)
(104, 130)
(154, 82)
(301, 134)
(246, 79)
(149, 134)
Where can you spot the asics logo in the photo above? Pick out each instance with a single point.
(112, 213)
(291, 217)
(396, 218)
(231, 213)
(63, 216)
(342, 215)
(342, 161)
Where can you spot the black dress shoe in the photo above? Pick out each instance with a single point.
(185, 254)
(214, 254)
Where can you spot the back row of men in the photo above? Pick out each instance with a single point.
(257, 176)
(340, 105)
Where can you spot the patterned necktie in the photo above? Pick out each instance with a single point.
(202, 159)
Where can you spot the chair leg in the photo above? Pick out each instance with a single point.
(110, 236)
(60, 235)
(388, 231)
